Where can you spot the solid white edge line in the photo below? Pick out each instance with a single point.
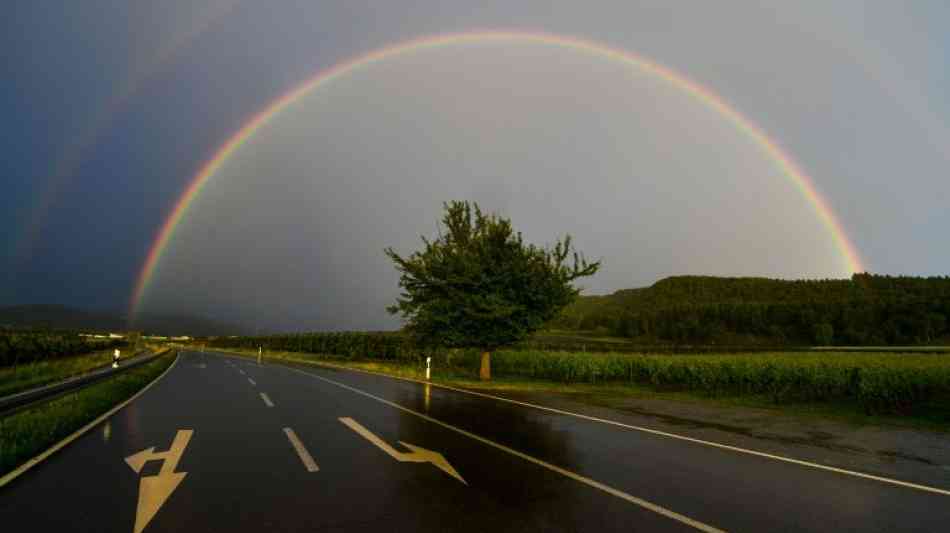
(882, 479)
(563, 471)
(302, 452)
(30, 463)
(266, 399)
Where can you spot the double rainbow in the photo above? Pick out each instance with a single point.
(745, 126)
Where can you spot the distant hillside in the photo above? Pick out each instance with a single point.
(71, 318)
(864, 310)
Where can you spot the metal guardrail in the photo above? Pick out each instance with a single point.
(22, 400)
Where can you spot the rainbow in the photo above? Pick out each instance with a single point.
(745, 126)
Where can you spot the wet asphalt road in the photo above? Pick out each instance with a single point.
(244, 473)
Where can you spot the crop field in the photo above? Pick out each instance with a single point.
(893, 383)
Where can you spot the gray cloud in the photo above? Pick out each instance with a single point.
(289, 235)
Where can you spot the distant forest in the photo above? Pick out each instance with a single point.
(864, 310)
(70, 319)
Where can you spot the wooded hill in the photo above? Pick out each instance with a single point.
(864, 310)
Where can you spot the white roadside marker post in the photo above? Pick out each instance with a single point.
(260, 354)
(428, 368)
(115, 358)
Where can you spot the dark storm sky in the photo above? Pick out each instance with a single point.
(109, 109)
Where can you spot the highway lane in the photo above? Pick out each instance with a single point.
(269, 451)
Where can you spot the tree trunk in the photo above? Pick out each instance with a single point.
(484, 373)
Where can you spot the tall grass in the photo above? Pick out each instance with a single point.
(38, 373)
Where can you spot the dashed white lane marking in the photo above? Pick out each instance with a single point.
(305, 456)
(251, 381)
(242, 372)
(563, 471)
(266, 399)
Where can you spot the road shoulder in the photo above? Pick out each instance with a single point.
(914, 455)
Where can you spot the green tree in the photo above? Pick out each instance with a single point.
(824, 334)
(478, 285)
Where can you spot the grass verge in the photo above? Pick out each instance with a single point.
(26, 433)
(932, 415)
(40, 373)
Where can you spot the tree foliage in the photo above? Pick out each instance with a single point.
(479, 285)
(864, 310)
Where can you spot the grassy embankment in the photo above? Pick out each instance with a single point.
(39, 373)
(27, 433)
(892, 388)
(45, 371)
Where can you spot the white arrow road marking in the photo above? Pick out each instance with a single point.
(417, 455)
(155, 490)
(305, 456)
(266, 399)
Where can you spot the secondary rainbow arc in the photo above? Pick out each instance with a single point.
(744, 125)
